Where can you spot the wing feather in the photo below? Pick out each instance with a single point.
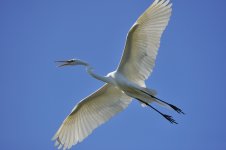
(143, 41)
(90, 113)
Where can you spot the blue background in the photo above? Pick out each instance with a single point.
(36, 96)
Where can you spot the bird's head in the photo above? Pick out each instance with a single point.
(70, 62)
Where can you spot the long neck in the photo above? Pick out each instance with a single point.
(89, 70)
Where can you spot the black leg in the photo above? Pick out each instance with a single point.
(169, 118)
(178, 110)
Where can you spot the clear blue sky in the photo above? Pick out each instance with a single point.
(36, 96)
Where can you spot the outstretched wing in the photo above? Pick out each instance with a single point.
(143, 41)
(90, 113)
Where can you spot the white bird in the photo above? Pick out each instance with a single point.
(123, 84)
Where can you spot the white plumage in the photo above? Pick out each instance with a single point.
(127, 82)
(143, 42)
(90, 113)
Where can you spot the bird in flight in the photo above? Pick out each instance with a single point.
(127, 82)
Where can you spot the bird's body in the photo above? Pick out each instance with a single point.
(120, 81)
(123, 84)
(129, 88)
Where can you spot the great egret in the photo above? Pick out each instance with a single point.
(123, 84)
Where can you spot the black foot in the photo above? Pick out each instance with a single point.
(176, 109)
(169, 118)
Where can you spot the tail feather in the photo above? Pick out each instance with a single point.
(152, 93)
